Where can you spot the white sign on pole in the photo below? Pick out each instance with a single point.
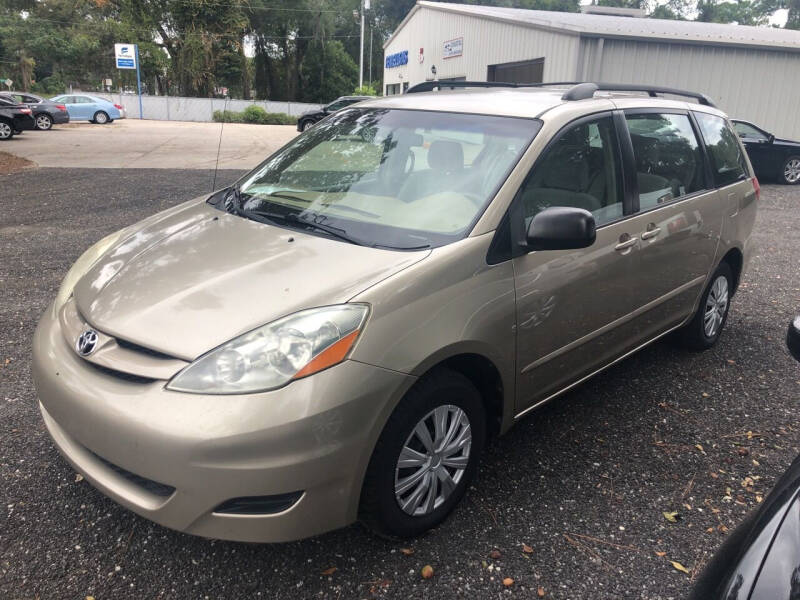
(125, 55)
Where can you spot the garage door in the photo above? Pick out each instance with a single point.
(523, 71)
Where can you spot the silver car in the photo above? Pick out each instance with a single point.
(336, 336)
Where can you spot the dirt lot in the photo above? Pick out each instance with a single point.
(584, 482)
(131, 143)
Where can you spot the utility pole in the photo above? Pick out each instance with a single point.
(371, 29)
(364, 5)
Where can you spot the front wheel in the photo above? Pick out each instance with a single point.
(43, 122)
(703, 331)
(425, 457)
(100, 118)
(6, 131)
(790, 171)
(305, 125)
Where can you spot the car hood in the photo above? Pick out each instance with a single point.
(194, 277)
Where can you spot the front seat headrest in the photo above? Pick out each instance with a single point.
(446, 156)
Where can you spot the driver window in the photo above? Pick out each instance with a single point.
(580, 170)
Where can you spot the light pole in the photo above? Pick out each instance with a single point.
(364, 7)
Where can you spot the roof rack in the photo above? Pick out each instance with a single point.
(579, 90)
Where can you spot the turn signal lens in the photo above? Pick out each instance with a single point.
(756, 187)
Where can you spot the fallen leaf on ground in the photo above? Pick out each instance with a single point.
(679, 567)
(672, 517)
(495, 554)
(743, 451)
(540, 592)
(508, 582)
(407, 551)
(705, 394)
(661, 553)
(700, 447)
(330, 571)
(427, 572)
(527, 549)
(78, 477)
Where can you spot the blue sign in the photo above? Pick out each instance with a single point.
(125, 63)
(397, 60)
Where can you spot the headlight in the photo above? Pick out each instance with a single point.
(83, 264)
(273, 355)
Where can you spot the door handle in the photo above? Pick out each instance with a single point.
(651, 233)
(624, 245)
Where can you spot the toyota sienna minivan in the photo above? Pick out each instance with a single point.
(336, 336)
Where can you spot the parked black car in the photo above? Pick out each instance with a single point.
(14, 118)
(774, 159)
(760, 560)
(46, 113)
(307, 119)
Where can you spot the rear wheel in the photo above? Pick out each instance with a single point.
(703, 331)
(305, 125)
(6, 131)
(426, 456)
(43, 122)
(790, 172)
(100, 118)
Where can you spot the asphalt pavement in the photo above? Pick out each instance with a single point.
(571, 500)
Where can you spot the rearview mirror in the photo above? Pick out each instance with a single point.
(561, 228)
(793, 338)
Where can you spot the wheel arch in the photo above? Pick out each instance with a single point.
(735, 260)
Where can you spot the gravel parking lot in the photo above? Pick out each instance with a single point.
(583, 483)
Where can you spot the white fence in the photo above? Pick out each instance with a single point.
(176, 108)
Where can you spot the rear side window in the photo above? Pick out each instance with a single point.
(669, 162)
(581, 170)
(727, 159)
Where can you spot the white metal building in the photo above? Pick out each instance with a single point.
(752, 73)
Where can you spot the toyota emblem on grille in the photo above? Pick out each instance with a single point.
(87, 342)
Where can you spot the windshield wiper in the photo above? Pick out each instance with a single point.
(273, 218)
(286, 195)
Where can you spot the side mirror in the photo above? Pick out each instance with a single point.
(561, 228)
(793, 338)
(770, 138)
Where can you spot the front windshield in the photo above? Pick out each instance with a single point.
(390, 178)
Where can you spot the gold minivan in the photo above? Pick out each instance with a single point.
(335, 336)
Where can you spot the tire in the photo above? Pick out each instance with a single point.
(305, 125)
(100, 117)
(705, 328)
(6, 131)
(790, 171)
(44, 122)
(442, 393)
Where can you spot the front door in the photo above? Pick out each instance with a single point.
(573, 305)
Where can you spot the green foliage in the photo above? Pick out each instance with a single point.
(365, 90)
(254, 114)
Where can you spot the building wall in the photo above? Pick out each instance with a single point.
(761, 86)
(486, 42)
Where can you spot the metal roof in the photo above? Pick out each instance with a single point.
(624, 27)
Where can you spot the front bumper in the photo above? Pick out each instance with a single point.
(314, 436)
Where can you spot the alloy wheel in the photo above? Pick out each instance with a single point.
(433, 460)
(5, 131)
(716, 306)
(43, 122)
(791, 171)
(100, 118)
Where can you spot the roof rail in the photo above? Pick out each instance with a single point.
(579, 90)
(429, 86)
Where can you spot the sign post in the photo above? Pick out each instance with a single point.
(127, 57)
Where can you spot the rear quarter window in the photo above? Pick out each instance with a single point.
(727, 159)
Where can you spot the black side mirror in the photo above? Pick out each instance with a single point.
(770, 138)
(793, 338)
(561, 228)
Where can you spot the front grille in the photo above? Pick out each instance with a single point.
(120, 374)
(142, 349)
(159, 489)
(259, 505)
